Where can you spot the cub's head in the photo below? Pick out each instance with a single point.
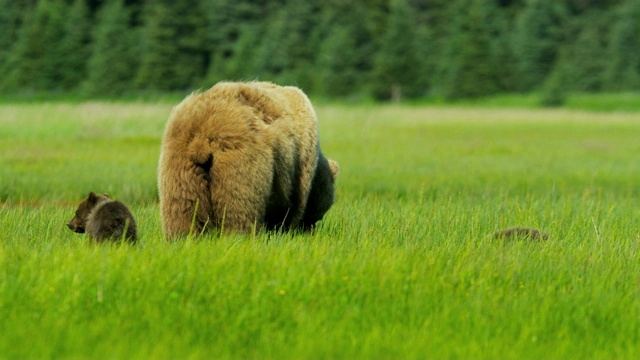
(79, 221)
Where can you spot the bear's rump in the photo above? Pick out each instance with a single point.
(239, 186)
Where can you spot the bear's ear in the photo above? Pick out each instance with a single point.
(335, 168)
(92, 197)
(105, 195)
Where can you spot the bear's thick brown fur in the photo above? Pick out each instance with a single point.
(243, 157)
(103, 219)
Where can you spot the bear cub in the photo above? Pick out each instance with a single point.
(103, 219)
(520, 233)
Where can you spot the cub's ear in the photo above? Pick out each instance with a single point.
(93, 197)
(335, 168)
(105, 195)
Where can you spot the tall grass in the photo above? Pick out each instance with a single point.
(403, 265)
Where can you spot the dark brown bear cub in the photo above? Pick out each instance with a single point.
(520, 233)
(103, 219)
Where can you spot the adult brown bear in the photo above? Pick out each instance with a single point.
(243, 157)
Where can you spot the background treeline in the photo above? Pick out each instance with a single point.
(335, 48)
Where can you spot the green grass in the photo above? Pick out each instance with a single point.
(403, 265)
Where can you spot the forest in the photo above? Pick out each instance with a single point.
(378, 49)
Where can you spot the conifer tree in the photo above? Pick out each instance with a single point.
(35, 59)
(397, 68)
(344, 57)
(190, 23)
(470, 61)
(288, 52)
(233, 34)
(586, 63)
(622, 72)
(172, 39)
(454, 48)
(159, 50)
(337, 63)
(112, 63)
(537, 38)
(11, 18)
(240, 64)
(556, 86)
(74, 46)
(220, 33)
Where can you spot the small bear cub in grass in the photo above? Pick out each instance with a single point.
(103, 219)
(521, 233)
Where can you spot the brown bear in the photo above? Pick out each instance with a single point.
(103, 219)
(243, 157)
(520, 233)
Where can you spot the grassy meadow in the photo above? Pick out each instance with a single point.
(403, 266)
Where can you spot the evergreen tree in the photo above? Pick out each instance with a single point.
(288, 52)
(471, 63)
(344, 56)
(232, 36)
(54, 35)
(397, 67)
(240, 64)
(504, 57)
(338, 67)
(190, 65)
(11, 18)
(401, 48)
(74, 46)
(35, 59)
(113, 59)
(623, 57)
(586, 63)
(221, 33)
(172, 37)
(554, 92)
(556, 86)
(159, 50)
(537, 38)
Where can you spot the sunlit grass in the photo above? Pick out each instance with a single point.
(403, 266)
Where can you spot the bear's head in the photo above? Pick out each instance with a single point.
(79, 221)
(335, 169)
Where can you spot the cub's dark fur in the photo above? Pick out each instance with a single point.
(103, 219)
(521, 233)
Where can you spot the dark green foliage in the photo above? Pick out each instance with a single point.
(384, 49)
(586, 65)
(344, 58)
(36, 58)
(397, 67)
(537, 38)
(233, 33)
(74, 46)
(287, 54)
(173, 38)
(555, 89)
(113, 61)
(471, 67)
(240, 65)
(11, 19)
(339, 75)
(159, 48)
(623, 58)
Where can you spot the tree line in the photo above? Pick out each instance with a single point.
(385, 49)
